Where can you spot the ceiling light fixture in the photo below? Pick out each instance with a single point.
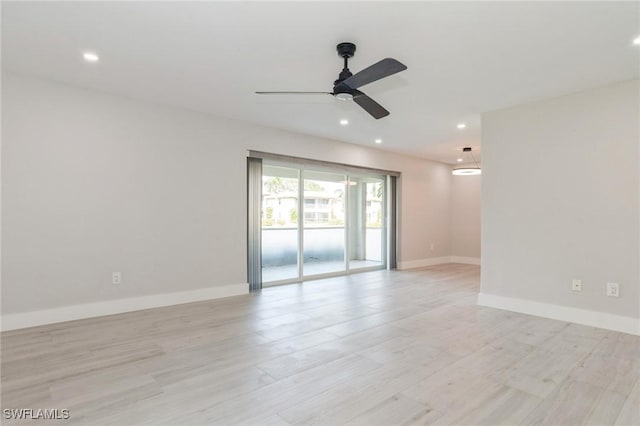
(636, 40)
(459, 160)
(378, 141)
(344, 122)
(461, 126)
(90, 57)
(466, 171)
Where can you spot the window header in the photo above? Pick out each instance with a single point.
(309, 162)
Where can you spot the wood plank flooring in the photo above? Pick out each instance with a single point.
(378, 348)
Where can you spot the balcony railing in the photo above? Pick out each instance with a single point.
(322, 243)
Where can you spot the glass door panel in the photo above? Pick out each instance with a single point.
(366, 221)
(324, 208)
(280, 192)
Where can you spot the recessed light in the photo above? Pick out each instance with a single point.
(90, 57)
(378, 141)
(461, 126)
(344, 122)
(636, 40)
(459, 160)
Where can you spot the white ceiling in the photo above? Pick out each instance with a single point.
(463, 57)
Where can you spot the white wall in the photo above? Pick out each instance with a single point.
(94, 183)
(465, 217)
(560, 200)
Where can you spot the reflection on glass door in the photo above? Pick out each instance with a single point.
(366, 222)
(279, 223)
(324, 223)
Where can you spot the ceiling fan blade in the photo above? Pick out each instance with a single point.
(294, 93)
(369, 105)
(382, 69)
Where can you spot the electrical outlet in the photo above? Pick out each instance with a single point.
(613, 290)
(116, 278)
(576, 285)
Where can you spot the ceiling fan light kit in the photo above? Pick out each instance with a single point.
(467, 171)
(344, 96)
(345, 88)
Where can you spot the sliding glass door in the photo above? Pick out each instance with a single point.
(366, 221)
(318, 222)
(280, 239)
(324, 223)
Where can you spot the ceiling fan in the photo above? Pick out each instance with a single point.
(345, 88)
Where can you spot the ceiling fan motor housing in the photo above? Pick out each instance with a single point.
(342, 91)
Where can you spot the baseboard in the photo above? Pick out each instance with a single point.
(421, 263)
(597, 319)
(466, 260)
(117, 306)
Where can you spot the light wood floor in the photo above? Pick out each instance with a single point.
(380, 348)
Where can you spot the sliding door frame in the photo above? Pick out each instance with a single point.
(388, 231)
